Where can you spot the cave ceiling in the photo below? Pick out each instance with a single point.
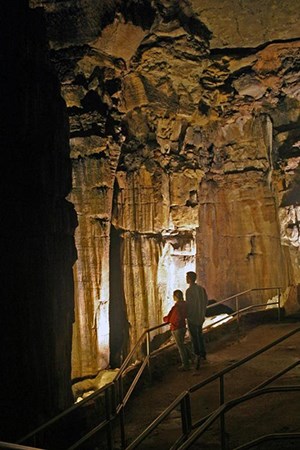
(145, 71)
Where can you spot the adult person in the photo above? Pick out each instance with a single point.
(196, 302)
(177, 319)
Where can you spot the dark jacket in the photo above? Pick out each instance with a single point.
(196, 301)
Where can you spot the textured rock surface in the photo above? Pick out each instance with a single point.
(244, 219)
(37, 227)
(248, 23)
(186, 139)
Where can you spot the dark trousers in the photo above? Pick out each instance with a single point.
(197, 339)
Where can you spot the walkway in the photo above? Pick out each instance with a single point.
(245, 423)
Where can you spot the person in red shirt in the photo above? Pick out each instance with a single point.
(176, 317)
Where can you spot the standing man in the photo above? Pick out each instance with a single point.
(196, 302)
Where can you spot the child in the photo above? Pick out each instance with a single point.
(176, 318)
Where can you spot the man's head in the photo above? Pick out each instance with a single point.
(191, 277)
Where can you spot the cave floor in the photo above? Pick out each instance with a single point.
(264, 415)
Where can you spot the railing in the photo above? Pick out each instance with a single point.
(270, 437)
(115, 398)
(115, 401)
(240, 311)
(123, 399)
(106, 391)
(220, 413)
(7, 445)
(184, 400)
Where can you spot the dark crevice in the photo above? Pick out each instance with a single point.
(243, 170)
(92, 102)
(94, 130)
(194, 27)
(140, 13)
(241, 52)
(193, 200)
(119, 325)
(112, 86)
(288, 127)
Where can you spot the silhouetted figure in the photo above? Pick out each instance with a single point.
(196, 300)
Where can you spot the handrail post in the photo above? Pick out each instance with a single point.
(222, 416)
(279, 306)
(237, 308)
(114, 397)
(186, 418)
(122, 413)
(189, 412)
(108, 408)
(148, 355)
(221, 393)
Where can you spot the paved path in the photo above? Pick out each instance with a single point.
(246, 421)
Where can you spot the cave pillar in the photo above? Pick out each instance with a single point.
(92, 197)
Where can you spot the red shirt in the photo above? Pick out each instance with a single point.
(177, 316)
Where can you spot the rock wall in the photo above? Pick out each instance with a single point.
(37, 228)
(185, 132)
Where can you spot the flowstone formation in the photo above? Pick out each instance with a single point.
(184, 132)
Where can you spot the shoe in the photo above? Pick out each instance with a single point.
(197, 365)
(183, 368)
(192, 357)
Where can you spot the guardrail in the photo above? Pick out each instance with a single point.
(184, 400)
(7, 445)
(240, 311)
(115, 397)
(270, 437)
(220, 412)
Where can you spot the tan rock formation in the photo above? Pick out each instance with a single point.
(186, 139)
(248, 23)
(238, 235)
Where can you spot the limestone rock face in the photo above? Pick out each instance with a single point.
(245, 221)
(37, 231)
(248, 23)
(184, 123)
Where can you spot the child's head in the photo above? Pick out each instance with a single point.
(177, 295)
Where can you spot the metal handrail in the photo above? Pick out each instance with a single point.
(231, 404)
(110, 386)
(118, 381)
(117, 384)
(269, 437)
(239, 294)
(223, 372)
(65, 413)
(8, 445)
(140, 341)
(214, 377)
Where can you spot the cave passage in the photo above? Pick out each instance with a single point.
(118, 322)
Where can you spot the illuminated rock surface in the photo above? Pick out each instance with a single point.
(184, 123)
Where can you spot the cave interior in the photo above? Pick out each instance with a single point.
(140, 140)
